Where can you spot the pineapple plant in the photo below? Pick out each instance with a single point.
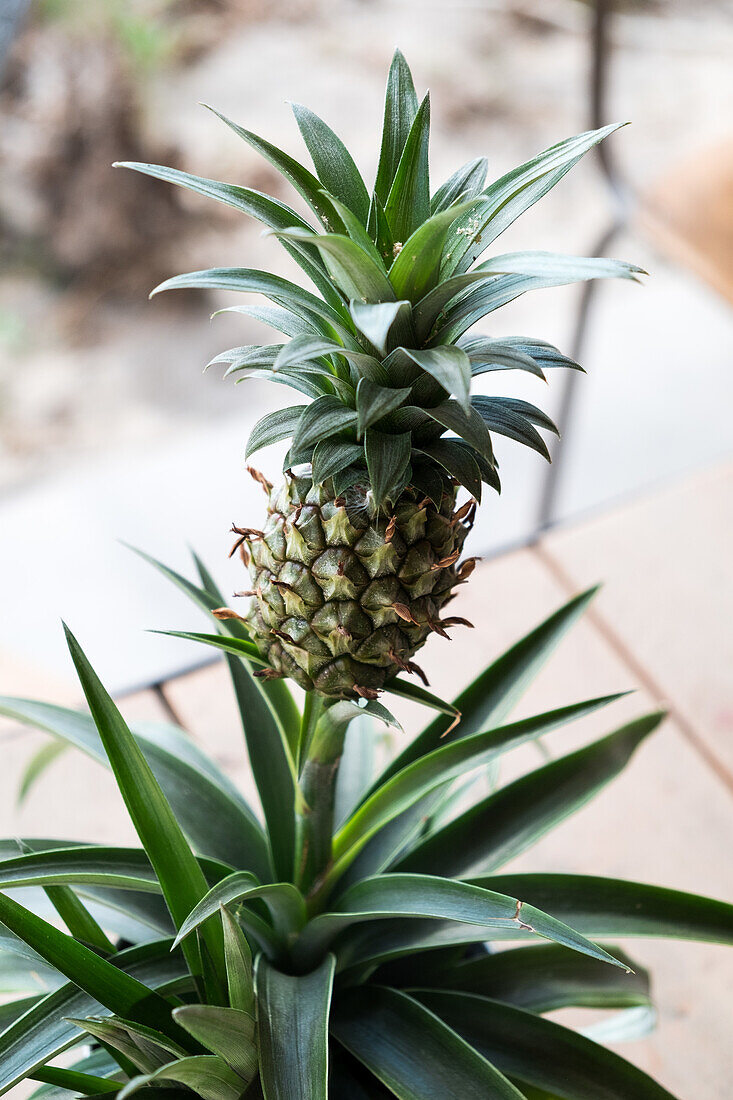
(356, 936)
(359, 553)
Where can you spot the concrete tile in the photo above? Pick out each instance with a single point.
(669, 596)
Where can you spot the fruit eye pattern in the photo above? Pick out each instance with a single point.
(359, 553)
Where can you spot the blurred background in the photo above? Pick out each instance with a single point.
(109, 431)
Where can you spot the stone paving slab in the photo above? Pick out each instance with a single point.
(668, 601)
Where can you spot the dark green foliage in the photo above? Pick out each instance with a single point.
(374, 970)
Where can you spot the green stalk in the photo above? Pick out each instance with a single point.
(312, 711)
(321, 755)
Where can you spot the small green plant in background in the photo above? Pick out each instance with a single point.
(141, 30)
(347, 939)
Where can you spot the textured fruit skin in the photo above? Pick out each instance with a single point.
(343, 601)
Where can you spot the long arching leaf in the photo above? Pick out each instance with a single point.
(614, 907)
(486, 701)
(504, 200)
(400, 896)
(44, 1031)
(100, 978)
(405, 788)
(209, 598)
(542, 1053)
(181, 878)
(304, 182)
(412, 1051)
(509, 821)
(281, 291)
(540, 979)
(267, 210)
(493, 694)
(284, 901)
(84, 1084)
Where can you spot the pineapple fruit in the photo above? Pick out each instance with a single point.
(344, 598)
(359, 554)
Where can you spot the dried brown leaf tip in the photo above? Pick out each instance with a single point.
(248, 532)
(467, 511)
(244, 533)
(438, 628)
(451, 559)
(399, 661)
(281, 634)
(404, 612)
(223, 613)
(267, 674)
(391, 528)
(413, 667)
(466, 568)
(366, 693)
(453, 724)
(457, 620)
(260, 478)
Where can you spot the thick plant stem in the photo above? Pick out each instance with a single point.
(312, 711)
(319, 767)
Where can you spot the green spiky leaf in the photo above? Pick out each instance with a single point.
(400, 108)
(333, 161)
(387, 458)
(228, 1032)
(408, 204)
(374, 402)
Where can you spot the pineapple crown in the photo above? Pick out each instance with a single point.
(383, 353)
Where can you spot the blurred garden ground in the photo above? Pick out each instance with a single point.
(107, 428)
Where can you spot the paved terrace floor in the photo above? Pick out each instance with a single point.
(661, 625)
